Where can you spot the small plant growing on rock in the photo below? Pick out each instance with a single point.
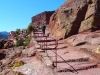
(27, 41)
(19, 43)
(31, 28)
(34, 37)
(17, 64)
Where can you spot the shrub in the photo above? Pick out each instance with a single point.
(17, 31)
(20, 43)
(34, 37)
(23, 42)
(31, 28)
(27, 41)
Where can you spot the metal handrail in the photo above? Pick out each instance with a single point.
(56, 45)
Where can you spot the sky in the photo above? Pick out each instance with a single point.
(17, 14)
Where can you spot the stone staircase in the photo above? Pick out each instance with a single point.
(68, 60)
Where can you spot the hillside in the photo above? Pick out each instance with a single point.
(4, 35)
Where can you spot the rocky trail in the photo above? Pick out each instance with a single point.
(65, 59)
(76, 23)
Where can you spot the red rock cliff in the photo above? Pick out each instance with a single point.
(42, 18)
(75, 16)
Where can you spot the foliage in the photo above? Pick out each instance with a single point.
(23, 42)
(20, 43)
(17, 64)
(17, 31)
(31, 28)
(34, 37)
(27, 41)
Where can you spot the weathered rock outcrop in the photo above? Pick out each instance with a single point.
(42, 18)
(11, 36)
(75, 16)
(15, 36)
(87, 43)
(6, 44)
(9, 44)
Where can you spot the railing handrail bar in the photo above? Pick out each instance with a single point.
(66, 61)
(62, 57)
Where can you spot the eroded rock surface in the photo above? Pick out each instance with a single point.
(35, 68)
(87, 43)
(75, 16)
(42, 18)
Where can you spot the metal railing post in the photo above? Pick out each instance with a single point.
(55, 51)
(56, 44)
(46, 44)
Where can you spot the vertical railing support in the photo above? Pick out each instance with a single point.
(56, 45)
(46, 44)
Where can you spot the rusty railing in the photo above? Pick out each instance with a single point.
(44, 45)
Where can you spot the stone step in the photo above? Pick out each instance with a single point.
(78, 68)
(74, 60)
(46, 60)
(45, 40)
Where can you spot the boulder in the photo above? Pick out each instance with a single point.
(90, 41)
(29, 51)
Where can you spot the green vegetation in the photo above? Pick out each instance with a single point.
(33, 36)
(27, 41)
(27, 36)
(20, 43)
(23, 42)
(17, 64)
(31, 28)
(17, 31)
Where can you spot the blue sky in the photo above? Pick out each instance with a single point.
(17, 13)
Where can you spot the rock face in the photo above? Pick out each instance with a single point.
(42, 18)
(35, 68)
(87, 43)
(75, 16)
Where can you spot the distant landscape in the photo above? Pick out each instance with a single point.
(4, 35)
